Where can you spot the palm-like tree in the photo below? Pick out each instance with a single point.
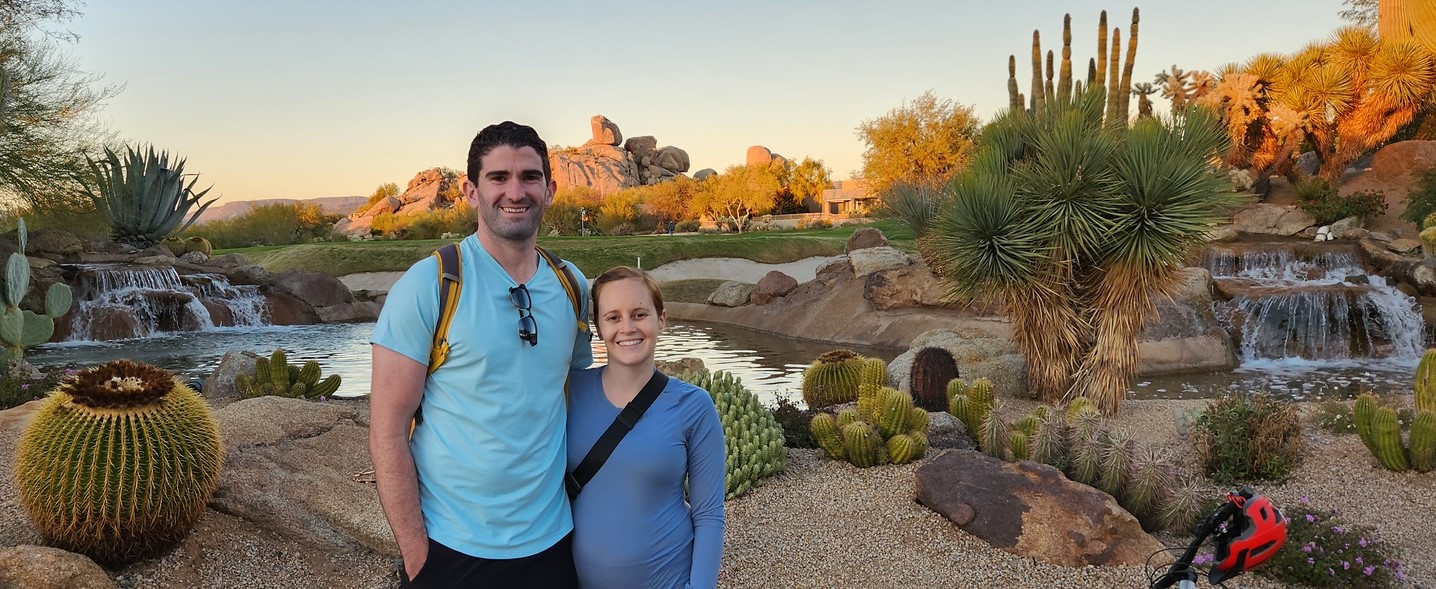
(1144, 104)
(1077, 227)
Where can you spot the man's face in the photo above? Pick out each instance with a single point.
(510, 193)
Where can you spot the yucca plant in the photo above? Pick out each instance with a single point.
(142, 197)
(1078, 226)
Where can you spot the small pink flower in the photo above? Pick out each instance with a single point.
(1368, 570)
(1345, 566)
(25, 387)
(1310, 518)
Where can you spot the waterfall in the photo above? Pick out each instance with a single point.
(1311, 301)
(126, 301)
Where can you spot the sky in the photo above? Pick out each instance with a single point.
(309, 98)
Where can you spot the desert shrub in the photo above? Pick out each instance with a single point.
(620, 229)
(16, 390)
(814, 224)
(460, 219)
(1244, 437)
(1321, 551)
(1328, 205)
(564, 214)
(270, 224)
(795, 424)
(687, 226)
(1421, 201)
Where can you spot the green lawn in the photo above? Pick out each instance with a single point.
(592, 254)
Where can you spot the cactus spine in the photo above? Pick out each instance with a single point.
(118, 462)
(23, 328)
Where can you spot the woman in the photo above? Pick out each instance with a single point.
(632, 527)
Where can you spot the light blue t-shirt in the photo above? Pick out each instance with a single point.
(490, 450)
(652, 516)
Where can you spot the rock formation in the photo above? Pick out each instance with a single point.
(431, 189)
(608, 164)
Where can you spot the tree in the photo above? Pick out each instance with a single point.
(808, 180)
(1360, 12)
(1078, 226)
(47, 112)
(926, 141)
(384, 191)
(669, 201)
(737, 194)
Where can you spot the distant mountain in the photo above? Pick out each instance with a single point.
(334, 205)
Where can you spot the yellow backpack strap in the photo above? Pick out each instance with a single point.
(570, 286)
(450, 283)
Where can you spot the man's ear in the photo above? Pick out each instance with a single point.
(552, 190)
(471, 192)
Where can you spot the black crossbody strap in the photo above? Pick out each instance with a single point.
(625, 421)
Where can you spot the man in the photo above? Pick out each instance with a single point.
(477, 499)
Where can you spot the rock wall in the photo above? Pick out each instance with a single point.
(609, 164)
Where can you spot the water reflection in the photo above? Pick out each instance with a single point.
(768, 365)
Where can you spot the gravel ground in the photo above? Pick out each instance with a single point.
(823, 523)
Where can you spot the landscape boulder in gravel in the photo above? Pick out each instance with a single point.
(42, 567)
(1032, 510)
(865, 237)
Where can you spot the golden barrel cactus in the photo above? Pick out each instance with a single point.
(119, 462)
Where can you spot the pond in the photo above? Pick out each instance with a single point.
(768, 365)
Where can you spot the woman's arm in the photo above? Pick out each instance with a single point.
(707, 486)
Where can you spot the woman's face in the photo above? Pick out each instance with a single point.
(627, 322)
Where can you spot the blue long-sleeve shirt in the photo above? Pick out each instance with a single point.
(632, 527)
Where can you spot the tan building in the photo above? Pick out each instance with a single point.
(848, 197)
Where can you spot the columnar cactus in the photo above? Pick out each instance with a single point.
(970, 403)
(994, 435)
(873, 372)
(1423, 441)
(1386, 440)
(1017, 445)
(1425, 382)
(1361, 412)
(1116, 464)
(832, 379)
(275, 376)
(22, 328)
(753, 436)
(118, 462)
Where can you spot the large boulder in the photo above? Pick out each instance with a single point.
(1032, 510)
(289, 468)
(1393, 172)
(42, 567)
(672, 159)
(355, 312)
(643, 148)
(865, 237)
(772, 286)
(1183, 334)
(876, 259)
(759, 156)
(1271, 219)
(313, 287)
(605, 132)
(978, 355)
(731, 294)
(219, 387)
(905, 287)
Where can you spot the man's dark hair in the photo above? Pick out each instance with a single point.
(506, 133)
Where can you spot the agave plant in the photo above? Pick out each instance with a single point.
(1078, 225)
(142, 197)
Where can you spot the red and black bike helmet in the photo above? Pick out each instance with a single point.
(1253, 535)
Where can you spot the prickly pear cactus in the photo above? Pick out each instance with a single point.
(23, 328)
(833, 379)
(753, 436)
(275, 377)
(118, 462)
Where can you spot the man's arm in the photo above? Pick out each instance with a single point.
(396, 390)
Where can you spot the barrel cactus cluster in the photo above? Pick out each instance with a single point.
(753, 437)
(275, 376)
(833, 379)
(118, 462)
(1076, 440)
(23, 328)
(1380, 430)
(181, 246)
(884, 428)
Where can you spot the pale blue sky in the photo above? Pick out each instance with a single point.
(313, 98)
